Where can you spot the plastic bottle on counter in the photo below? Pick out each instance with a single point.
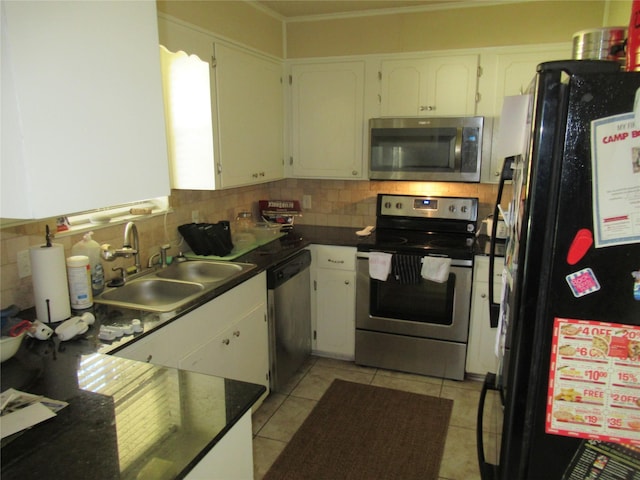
(89, 247)
(79, 276)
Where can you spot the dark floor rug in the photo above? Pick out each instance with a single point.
(364, 432)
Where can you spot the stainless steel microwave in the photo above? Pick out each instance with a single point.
(447, 149)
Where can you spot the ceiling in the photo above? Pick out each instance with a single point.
(300, 8)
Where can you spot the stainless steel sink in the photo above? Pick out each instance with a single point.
(169, 289)
(202, 271)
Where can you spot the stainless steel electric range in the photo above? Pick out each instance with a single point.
(407, 322)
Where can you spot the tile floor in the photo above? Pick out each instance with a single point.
(282, 413)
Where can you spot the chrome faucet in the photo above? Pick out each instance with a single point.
(129, 247)
(129, 229)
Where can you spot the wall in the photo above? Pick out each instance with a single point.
(473, 27)
(233, 19)
(336, 203)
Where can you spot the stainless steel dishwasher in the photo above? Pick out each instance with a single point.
(288, 294)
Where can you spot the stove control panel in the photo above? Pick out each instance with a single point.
(453, 208)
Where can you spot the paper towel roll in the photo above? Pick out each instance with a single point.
(50, 288)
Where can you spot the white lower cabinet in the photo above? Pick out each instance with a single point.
(231, 458)
(334, 292)
(481, 357)
(234, 353)
(226, 337)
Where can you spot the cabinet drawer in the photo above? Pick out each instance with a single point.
(339, 258)
(481, 269)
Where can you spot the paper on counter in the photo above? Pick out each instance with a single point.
(21, 410)
(24, 418)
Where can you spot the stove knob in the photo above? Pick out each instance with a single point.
(463, 209)
(399, 206)
(387, 204)
(471, 227)
(452, 208)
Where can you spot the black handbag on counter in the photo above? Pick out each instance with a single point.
(208, 238)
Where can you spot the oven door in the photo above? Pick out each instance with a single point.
(427, 309)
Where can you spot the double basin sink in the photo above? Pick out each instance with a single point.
(169, 289)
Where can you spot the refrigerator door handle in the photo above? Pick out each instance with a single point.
(505, 175)
(488, 471)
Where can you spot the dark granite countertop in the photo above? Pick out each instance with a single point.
(122, 413)
(114, 424)
(121, 416)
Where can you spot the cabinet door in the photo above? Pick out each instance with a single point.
(335, 321)
(327, 120)
(189, 87)
(481, 356)
(231, 458)
(239, 352)
(239, 127)
(515, 72)
(436, 86)
(251, 347)
(403, 86)
(250, 115)
(83, 114)
(153, 348)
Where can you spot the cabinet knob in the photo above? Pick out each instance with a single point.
(354, 173)
(483, 295)
(225, 341)
(346, 282)
(262, 174)
(236, 333)
(428, 108)
(254, 175)
(149, 358)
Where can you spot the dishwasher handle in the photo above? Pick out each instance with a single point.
(288, 269)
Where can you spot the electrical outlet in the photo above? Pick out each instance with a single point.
(24, 264)
(306, 202)
(195, 216)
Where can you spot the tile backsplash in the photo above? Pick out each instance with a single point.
(333, 203)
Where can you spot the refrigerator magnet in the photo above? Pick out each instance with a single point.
(583, 282)
(636, 284)
(579, 246)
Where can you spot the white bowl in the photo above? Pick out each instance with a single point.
(9, 346)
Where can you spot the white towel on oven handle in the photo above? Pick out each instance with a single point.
(436, 269)
(379, 265)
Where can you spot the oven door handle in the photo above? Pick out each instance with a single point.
(454, 262)
(507, 174)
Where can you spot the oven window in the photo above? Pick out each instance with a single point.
(426, 302)
(413, 149)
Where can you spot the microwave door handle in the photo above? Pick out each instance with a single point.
(458, 150)
(507, 174)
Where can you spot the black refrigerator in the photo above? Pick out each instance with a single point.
(569, 319)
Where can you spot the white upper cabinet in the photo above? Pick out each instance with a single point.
(327, 121)
(82, 113)
(250, 115)
(509, 72)
(236, 96)
(429, 86)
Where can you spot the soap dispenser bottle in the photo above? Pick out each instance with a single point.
(89, 247)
